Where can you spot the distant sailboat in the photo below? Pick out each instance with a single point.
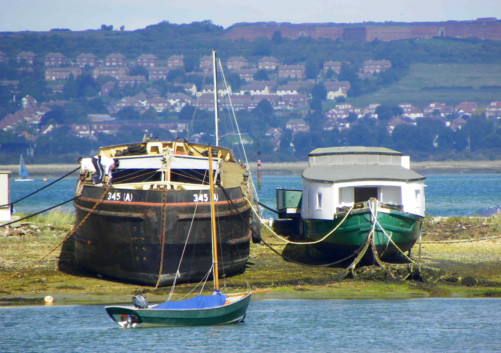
(23, 174)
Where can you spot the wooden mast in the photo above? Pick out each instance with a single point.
(215, 274)
(215, 264)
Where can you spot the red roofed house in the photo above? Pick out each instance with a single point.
(147, 60)
(54, 59)
(85, 59)
(268, 63)
(115, 59)
(291, 71)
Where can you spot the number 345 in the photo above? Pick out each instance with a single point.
(203, 197)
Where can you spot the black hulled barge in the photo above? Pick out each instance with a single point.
(151, 208)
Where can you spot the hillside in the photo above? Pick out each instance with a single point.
(452, 83)
(296, 88)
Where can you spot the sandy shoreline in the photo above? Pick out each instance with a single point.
(492, 166)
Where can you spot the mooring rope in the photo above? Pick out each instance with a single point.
(69, 235)
(45, 187)
(36, 214)
(302, 243)
(376, 222)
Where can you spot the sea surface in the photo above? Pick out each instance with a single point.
(411, 325)
(447, 194)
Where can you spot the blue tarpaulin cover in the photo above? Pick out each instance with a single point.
(198, 302)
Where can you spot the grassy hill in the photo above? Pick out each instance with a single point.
(448, 83)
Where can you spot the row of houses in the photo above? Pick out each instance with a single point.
(176, 102)
(337, 117)
(435, 109)
(340, 117)
(116, 65)
(286, 97)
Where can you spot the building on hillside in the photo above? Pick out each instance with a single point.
(291, 71)
(206, 64)
(62, 73)
(147, 60)
(337, 89)
(493, 110)
(160, 104)
(236, 63)
(131, 81)
(55, 60)
(370, 111)
(115, 60)
(410, 111)
(158, 73)
(129, 102)
(115, 72)
(437, 109)
(246, 74)
(291, 87)
(334, 66)
(26, 58)
(371, 67)
(288, 102)
(258, 88)
(268, 63)
(175, 62)
(179, 100)
(86, 59)
(466, 108)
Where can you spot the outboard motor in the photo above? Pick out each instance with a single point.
(140, 302)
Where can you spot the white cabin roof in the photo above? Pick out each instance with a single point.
(352, 173)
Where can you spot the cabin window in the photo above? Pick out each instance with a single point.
(191, 176)
(364, 194)
(121, 176)
(319, 200)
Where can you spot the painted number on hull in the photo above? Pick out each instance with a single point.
(203, 197)
(118, 196)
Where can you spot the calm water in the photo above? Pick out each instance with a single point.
(417, 325)
(452, 194)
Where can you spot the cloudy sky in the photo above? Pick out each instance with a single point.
(43, 15)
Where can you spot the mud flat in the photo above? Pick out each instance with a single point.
(458, 257)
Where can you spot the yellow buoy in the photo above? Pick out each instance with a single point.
(48, 300)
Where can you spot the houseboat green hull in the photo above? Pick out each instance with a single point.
(351, 236)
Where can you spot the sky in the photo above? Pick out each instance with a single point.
(43, 15)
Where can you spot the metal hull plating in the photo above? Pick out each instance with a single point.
(403, 228)
(122, 238)
(233, 312)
